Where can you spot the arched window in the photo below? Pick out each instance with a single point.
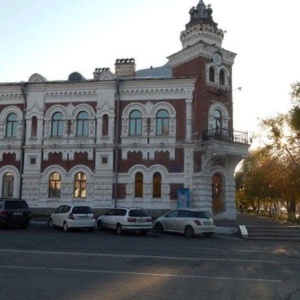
(105, 125)
(156, 185)
(8, 185)
(222, 77)
(57, 125)
(11, 126)
(162, 123)
(34, 127)
(80, 185)
(135, 123)
(139, 182)
(212, 74)
(217, 120)
(82, 128)
(54, 185)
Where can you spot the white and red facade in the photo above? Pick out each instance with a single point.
(129, 138)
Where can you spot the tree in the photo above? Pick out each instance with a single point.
(272, 173)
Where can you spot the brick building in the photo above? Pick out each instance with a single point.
(133, 137)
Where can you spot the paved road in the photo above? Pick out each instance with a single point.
(39, 263)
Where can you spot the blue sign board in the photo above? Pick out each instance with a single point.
(183, 198)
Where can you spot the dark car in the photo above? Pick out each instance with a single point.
(14, 212)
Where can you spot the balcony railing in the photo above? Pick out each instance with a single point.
(226, 135)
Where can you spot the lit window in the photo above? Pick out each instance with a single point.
(57, 124)
(162, 123)
(11, 126)
(8, 185)
(54, 185)
(80, 185)
(138, 193)
(82, 124)
(156, 185)
(135, 123)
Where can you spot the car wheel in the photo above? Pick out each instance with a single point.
(207, 234)
(99, 225)
(65, 226)
(119, 229)
(50, 223)
(158, 228)
(189, 231)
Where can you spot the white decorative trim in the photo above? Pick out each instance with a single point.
(203, 50)
(37, 78)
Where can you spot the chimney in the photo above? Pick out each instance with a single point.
(99, 71)
(125, 67)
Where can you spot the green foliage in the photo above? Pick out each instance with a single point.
(271, 174)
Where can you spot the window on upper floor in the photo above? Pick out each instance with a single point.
(162, 122)
(212, 74)
(57, 125)
(11, 126)
(105, 125)
(217, 120)
(222, 77)
(80, 185)
(139, 182)
(135, 123)
(156, 185)
(34, 127)
(82, 124)
(8, 185)
(54, 185)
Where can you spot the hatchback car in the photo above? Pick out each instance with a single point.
(126, 219)
(188, 221)
(14, 212)
(67, 217)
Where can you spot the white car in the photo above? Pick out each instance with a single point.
(188, 221)
(68, 217)
(126, 219)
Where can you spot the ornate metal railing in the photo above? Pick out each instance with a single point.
(225, 135)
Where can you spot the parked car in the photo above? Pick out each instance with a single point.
(188, 221)
(68, 216)
(14, 212)
(126, 219)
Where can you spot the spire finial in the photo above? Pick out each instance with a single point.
(201, 14)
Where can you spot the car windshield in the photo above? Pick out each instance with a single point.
(82, 210)
(138, 213)
(202, 214)
(16, 204)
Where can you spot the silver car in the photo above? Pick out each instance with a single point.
(126, 219)
(188, 221)
(67, 217)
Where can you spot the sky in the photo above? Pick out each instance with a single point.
(57, 37)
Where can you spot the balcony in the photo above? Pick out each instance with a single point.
(226, 135)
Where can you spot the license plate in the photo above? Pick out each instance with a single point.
(141, 221)
(18, 214)
(83, 217)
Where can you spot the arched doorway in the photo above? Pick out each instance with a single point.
(217, 194)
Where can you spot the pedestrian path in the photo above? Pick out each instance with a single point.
(263, 228)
